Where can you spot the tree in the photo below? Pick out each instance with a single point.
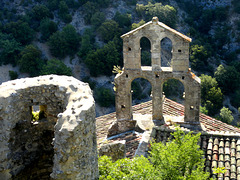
(180, 158)
(89, 9)
(104, 97)
(211, 95)
(64, 12)
(55, 66)
(228, 78)
(30, 61)
(226, 115)
(10, 49)
(86, 43)
(101, 61)
(198, 57)
(124, 20)
(40, 12)
(64, 43)
(97, 19)
(166, 14)
(20, 30)
(108, 30)
(47, 28)
(136, 25)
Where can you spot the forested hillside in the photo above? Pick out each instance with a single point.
(82, 38)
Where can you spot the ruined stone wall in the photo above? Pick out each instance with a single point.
(62, 144)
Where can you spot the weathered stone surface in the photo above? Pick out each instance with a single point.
(116, 150)
(156, 31)
(62, 144)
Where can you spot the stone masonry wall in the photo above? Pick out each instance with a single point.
(62, 145)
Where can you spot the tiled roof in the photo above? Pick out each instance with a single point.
(219, 141)
(170, 107)
(219, 151)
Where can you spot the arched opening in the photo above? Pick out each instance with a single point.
(174, 89)
(166, 52)
(145, 45)
(141, 90)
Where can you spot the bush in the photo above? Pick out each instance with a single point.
(10, 49)
(166, 14)
(101, 61)
(20, 30)
(13, 75)
(30, 61)
(104, 97)
(108, 30)
(47, 28)
(136, 25)
(180, 158)
(64, 43)
(226, 115)
(228, 78)
(86, 43)
(55, 66)
(198, 57)
(211, 95)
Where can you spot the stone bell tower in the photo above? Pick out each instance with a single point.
(179, 69)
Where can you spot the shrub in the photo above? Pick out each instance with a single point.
(226, 115)
(55, 66)
(180, 158)
(104, 97)
(101, 61)
(166, 14)
(65, 42)
(13, 75)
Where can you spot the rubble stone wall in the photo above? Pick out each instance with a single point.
(62, 144)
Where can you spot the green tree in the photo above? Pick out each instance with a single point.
(64, 43)
(89, 9)
(228, 78)
(124, 20)
(86, 43)
(20, 30)
(136, 25)
(30, 61)
(64, 12)
(40, 12)
(226, 115)
(13, 75)
(166, 14)
(180, 158)
(55, 66)
(104, 97)
(211, 95)
(138, 168)
(47, 28)
(108, 30)
(97, 19)
(101, 61)
(198, 57)
(10, 49)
